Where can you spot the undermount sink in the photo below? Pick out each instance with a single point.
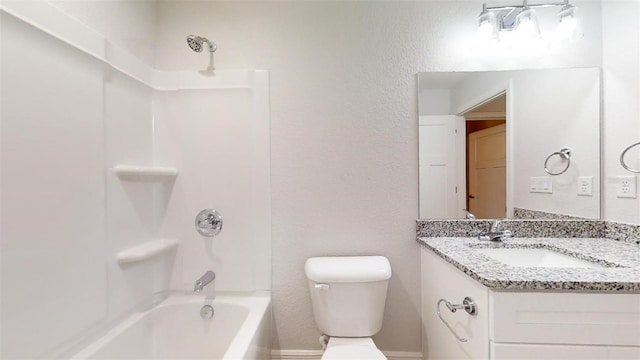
(535, 257)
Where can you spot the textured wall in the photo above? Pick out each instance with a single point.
(344, 127)
(621, 105)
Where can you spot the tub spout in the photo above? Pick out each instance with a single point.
(204, 280)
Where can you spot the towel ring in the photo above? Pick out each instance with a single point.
(564, 154)
(624, 165)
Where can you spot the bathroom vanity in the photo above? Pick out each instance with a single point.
(534, 298)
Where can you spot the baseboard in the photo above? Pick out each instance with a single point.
(296, 354)
(403, 355)
(317, 354)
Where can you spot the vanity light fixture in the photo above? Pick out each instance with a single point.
(501, 22)
(568, 22)
(527, 23)
(487, 26)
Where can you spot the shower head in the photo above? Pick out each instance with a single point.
(195, 43)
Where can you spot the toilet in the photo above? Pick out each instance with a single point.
(348, 294)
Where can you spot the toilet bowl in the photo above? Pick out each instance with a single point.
(348, 294)
(352, 348)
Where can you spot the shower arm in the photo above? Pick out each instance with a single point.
(212, 47)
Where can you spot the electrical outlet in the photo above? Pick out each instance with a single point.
(626, 187)
(585, 185)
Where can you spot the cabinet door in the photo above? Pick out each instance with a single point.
(566, 318)
(440, 280)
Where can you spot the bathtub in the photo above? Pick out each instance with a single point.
(174, 329)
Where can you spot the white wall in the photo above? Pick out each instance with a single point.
(344, 127)
(552, 110)
(621, 105)
(434, 102)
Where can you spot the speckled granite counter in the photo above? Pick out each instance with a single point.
(620, 261)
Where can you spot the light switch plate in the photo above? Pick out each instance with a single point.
(585, 185)
(542, 184)
(626, 187)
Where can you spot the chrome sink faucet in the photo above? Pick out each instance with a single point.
(469, 215)
(495, 233)
(204, 280)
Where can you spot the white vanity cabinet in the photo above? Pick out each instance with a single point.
(441, 280)
(524, 324)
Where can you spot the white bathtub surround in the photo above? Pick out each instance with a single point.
(53, 192)
(146, 251)
(130, 25)
(218, 138)
(174, 329)
(145, 173)
(95, 113)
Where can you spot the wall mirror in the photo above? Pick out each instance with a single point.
(510, 144)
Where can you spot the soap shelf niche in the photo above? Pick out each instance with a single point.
(146, 250)
(145, 173)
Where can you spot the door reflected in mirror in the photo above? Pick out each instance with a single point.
(487, 142)
(486, 154)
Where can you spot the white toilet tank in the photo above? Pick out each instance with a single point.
(348, 293)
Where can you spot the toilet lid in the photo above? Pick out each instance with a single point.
(353, 352)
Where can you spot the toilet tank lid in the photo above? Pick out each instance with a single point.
(347, 269)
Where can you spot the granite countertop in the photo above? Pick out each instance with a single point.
(620, 261)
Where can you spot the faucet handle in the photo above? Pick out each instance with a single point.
(469, 215)
(495, 227)
(208, 222)
(484, 236)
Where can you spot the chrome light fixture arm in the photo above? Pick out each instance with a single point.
(506, 16)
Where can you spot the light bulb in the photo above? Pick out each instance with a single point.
(566, 28)
(487, 31)
(527, 24)
(568, 23)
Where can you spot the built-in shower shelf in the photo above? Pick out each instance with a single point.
(146, 251)
(145, 173)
